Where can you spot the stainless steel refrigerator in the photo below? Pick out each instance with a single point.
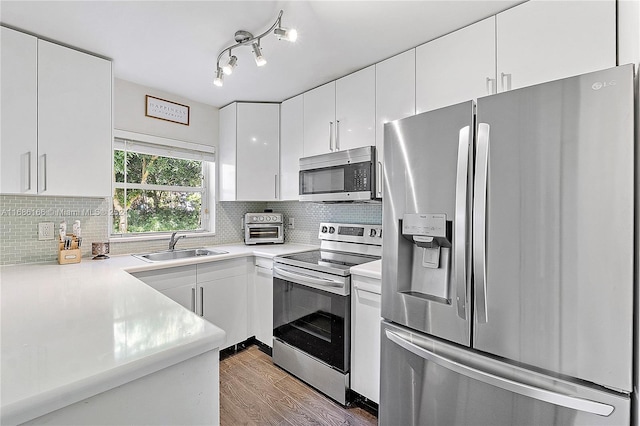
(508, 258)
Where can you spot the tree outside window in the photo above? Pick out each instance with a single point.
(156, 193)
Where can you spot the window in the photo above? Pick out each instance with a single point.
(159, 189)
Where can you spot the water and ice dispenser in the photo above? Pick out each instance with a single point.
(431, 236)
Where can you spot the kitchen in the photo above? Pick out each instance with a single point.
(387, 88)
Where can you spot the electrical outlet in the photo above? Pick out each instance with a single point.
(292, 223)
(45, 231)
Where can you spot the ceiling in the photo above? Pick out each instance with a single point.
(173, 45)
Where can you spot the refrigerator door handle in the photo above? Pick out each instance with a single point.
(460, 223)
(534, 392)
(479, 222)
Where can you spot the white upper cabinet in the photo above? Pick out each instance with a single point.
(258, 151)
(395, 99)
(291, 137)
(356, 110)
(456, 67)
(541, 41)
(56, 119)
(75, 153)
(249, 152)
(319, 120)
(19, 129)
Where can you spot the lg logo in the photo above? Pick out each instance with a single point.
(599, 85)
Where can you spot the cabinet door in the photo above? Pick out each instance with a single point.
(258, 142)
(184, 295)
(541, 41)
(395, 99)
(227, 153)
(456, 67)
(319, 120)
(74, 122)
(356, 110)
(291, 136)
(19, 128)
(263, 303)
(224, 303)
(365, 337)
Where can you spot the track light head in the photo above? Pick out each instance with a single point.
(219, 77)
(230, 65)
(260, 60)
(288, 34)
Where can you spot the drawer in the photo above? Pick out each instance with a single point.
(222, 269)
(162, 279)
(263, 262)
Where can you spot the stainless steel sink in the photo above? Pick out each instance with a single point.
(177, 254)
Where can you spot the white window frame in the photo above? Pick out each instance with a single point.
(177, 149)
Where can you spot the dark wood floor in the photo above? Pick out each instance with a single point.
(253, 391)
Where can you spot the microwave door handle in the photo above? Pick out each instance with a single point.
(479, 222)
(507, 384)
(306, 278)
(460, 222)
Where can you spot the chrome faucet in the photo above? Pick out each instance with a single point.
(174, 240)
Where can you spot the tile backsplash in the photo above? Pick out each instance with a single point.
(20, 215)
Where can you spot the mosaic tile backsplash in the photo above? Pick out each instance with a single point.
(20, 215)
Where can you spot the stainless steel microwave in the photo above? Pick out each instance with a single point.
(339, 176)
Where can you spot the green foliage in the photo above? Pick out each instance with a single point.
(137, 210)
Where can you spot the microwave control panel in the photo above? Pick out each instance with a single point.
(360, 179)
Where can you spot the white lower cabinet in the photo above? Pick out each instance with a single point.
(365, 336)
(262, 301)
(217, 291)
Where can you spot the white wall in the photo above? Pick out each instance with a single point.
(129, 107)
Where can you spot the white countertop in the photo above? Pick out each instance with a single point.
(72, 331)
(371, 269)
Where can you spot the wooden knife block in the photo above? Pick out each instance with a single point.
(72, 255)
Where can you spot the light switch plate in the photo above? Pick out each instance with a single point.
(45, 231)
(292, 223)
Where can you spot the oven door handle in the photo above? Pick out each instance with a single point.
(300, 277)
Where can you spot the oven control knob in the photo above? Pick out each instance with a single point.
(267, 218)
(254, 218)
(274, 218)
(261, 218)
(372, 233)
(332, 229)
(324, 230)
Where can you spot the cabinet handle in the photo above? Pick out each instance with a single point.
(337, 135)
(43, 174)
(379, 179)
(491, 86)
(26, 174)
(331, 136)
(508, 78)
(193, 299)
(201, 301)
(275, 188)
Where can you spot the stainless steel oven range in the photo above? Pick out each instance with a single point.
(311, 305)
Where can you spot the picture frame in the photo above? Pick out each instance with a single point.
(163, 109)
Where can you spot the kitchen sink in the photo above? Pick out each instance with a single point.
(177, 254)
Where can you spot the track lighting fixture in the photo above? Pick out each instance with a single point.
(245, 38)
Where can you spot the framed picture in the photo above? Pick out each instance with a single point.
(166, 110)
